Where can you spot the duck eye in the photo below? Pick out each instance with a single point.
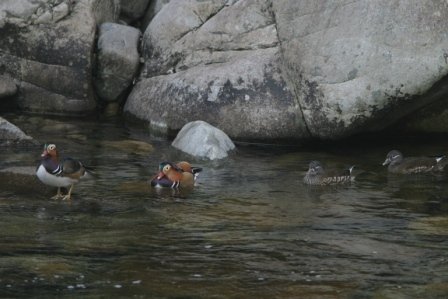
(51, 147)
(166, 168)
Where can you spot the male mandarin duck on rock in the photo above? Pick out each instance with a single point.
(58, 173)
(318, 175)
(398, 164)
(177, 175)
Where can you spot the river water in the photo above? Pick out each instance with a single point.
(249, 229)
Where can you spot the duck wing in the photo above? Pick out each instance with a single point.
(336, 176)
(419, 164)
(72, 168)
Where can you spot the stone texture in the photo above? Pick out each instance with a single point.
(362, 65)
(200, 66)
(133, 10)
(12, 135)
(292, 69)
(202, 140)
(7, 86)
(22, 180)
(430, 119)
(154, 7)
(118, 60)
(48, 48)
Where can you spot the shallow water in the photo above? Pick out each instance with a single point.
(250, 228)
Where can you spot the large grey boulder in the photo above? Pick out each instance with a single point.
(12, 135)
(118, 60)
(202, 140)
(154, 7)
(359, 66)
(219, 63)
(48, 47)
(291, 69)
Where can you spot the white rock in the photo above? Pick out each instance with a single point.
(200, 139)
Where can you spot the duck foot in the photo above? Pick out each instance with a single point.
(66, 197)
(58, 195)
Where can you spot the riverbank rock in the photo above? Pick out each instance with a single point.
(430, 119)
(291, 69)
(12, 135)
(202, 140)
(133, 10)
(154, 7)
(199, 65)
(118, 60)
(8, 90)
(360, 66)
(48, 48)
(22, 180)
(8, 87)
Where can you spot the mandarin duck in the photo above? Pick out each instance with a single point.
(177, 175)
(398, 164)
(54, 172)
(318, 175)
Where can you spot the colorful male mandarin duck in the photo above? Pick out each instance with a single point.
(317, 175)
(58, 173)
(177, 175)
(412, 165)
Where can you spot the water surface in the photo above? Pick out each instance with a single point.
(250, 228)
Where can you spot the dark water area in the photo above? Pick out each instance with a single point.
(249, 229)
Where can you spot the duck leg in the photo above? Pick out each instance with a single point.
(58, 195)
(69, 194)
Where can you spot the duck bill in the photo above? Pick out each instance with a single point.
(160, 175)
(44, 154)
(386, 162)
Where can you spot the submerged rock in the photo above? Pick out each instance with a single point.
(22, 180)
(130, 146)
(202, 140)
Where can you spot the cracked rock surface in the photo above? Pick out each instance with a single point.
(198, 65)
(291, 69)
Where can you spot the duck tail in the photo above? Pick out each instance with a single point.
(440, 158)
(351, 169)
(89, 171)
(441, 162)
(196, 171)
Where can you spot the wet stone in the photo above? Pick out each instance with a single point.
(22, 180)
